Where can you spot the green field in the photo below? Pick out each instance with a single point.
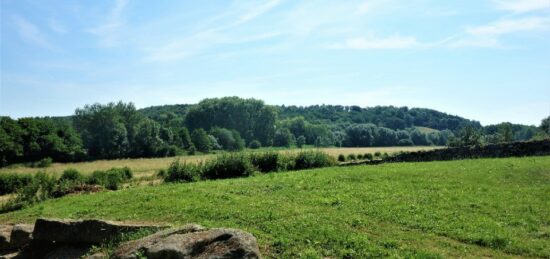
(468, 208)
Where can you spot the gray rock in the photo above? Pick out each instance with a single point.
(5, 233)
(67, 252)
(192, 242)
(21, 235)
(82, 231)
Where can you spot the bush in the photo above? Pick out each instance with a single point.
(368, 156)
(162, 173)
(111, 179)
(300, 141)
(192, 150)
(228, 166)
(182, 172)
(360, 156)
(11, 182)
(265, 162)
(312, 159)
(41, 187)
(377, 154)
(254, 144)
(42, 163)
(351, 157)
(72, 175)
(341, 158)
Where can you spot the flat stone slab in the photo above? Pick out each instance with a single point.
(192, 241)
(83, 231)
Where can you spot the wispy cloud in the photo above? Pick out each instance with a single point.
(213, 35)
(30, 32)
(510, 26)
(108, 31)
(522, 6)
(489, 35)
(258, 10)
(57, 27)
(393, 42)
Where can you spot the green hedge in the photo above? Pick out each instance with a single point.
(518, 149)
(242, 164)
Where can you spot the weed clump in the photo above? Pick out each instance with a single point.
(181, 172)
(341, 158)
(228, 166)
(11, 182)
(265, 162)
(312, 159)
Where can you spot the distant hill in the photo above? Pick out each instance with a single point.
(382, 116)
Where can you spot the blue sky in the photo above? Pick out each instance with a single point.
(484, 60)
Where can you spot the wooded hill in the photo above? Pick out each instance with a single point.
(119, 130)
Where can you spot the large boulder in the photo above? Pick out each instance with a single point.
(5, 233)
(192, 241)
(91, 231)
(21, 235)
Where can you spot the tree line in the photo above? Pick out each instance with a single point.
(119, 130)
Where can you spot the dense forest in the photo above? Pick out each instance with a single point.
(119, 130)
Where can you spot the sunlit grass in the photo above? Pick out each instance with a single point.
(469, 208)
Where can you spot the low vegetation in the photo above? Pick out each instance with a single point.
(232, 165)
(41, 186)
(410, 210)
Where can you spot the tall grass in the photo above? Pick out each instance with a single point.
(232, 165)
(42, 186)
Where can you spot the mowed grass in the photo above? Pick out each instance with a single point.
(469, 208)
(150, 166)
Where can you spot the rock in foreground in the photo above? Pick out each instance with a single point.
(68, 239)
(192, 242)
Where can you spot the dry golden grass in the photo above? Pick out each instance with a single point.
(143, 167)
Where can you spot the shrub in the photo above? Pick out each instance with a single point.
(182, 172)
(192, 150)
(11, 182)
(254, 144)
(265, 162)
(377, 154)
(341, 158)
(162, 173)
(300, 141)
(111, 179)
(39, 189)
(72, 175)
(351, 157)
(312, 159)
(368, 156)
(228, 166)
(42, 163)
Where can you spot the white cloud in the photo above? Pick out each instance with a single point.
(510, 26)
(521, 6)
(393, 42)
(30, 32)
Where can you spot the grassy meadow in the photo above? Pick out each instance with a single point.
(149, 166)
(468, 208)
